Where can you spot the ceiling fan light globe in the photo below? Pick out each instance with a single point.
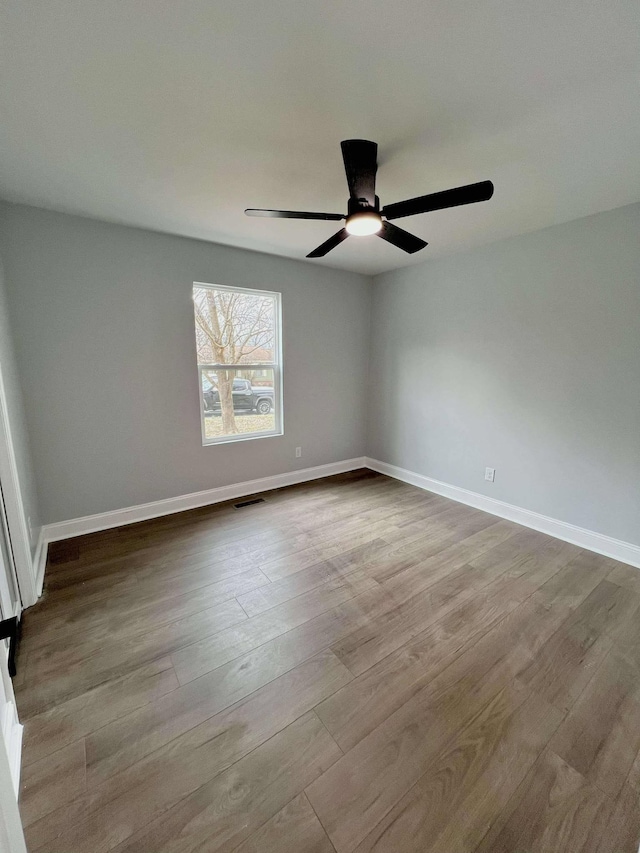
(363, 224)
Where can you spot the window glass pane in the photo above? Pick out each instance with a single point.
(234, 327)
(254, 403)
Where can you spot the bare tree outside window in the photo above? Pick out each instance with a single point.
(237, 340)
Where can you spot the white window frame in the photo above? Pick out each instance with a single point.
(275, 366)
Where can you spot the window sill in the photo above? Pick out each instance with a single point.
(232, 439)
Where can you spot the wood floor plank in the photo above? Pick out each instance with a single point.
(469, 782)
(375, 641)
(70, 721)
(358, 707)
(43, 835)
(329, 542)
(454, 555)
(198, 658)
(144, 566)
(526, 550)
(507, 648)
(311, 635)
(601, 735)
(577, 580)
(321, 575)
(622, 833)
(130, 575)
(626, 637)
(427, 531)
(625, 576)
(252, 802)
(74, 671)
(436, 537)
(451, 581)
(633, 778)
(52, 782)
(356, 793)
(133, 613)
(341, 556)
(130, 738)
(233, 546)
(295, 829)
(132, 798)
(398, 625)
(568, 660)
(555, 809)
(437, 589)
(473, 678)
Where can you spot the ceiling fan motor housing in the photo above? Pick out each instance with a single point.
(361, 205)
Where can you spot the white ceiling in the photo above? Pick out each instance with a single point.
(177, 114)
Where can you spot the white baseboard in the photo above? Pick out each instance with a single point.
(143, 512)
(625, 552)
(12, 734)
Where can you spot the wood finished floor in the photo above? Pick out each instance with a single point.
(353, 665)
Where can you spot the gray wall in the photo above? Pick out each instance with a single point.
(17, 423)
(524, 356)
(105, 346)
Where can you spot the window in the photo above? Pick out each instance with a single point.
(239, 362)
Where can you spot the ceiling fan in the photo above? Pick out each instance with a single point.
(364, 214)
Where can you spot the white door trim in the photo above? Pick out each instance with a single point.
(11, 832)
(20, 545)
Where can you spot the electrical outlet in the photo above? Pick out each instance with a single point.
(490, 474)
(298, 452)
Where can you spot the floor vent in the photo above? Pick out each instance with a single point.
(249, 503)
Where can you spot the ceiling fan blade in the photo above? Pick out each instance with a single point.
(292, 214)
(438, 201)
(329, 244)
(401, 238)
(360, 164)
